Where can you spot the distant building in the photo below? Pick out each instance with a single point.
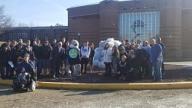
(51, 32)
(136, 19)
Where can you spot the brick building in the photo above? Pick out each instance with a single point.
(136, 19)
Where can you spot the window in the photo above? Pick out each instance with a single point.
(139, 25)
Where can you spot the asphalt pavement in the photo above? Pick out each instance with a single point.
(44, 98)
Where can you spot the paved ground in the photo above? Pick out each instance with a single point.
(173, 72)
(43, 98)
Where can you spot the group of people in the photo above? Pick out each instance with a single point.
(135, 59)
(60, 57)
(44, 58)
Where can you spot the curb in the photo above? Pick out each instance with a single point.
(109, 86)
(5, 82)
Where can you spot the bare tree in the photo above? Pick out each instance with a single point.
(5, 21)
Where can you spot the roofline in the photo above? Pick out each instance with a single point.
(84, 15)
(82, 6)
(96, 4)
(37, 27)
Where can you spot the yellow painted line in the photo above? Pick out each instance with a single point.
(5, 82)
(110, 86)
(117, 86)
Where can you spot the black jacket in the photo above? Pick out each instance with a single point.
(36, 50)
(58, 55)
(29, 68)
(4, 55)
(45, 52)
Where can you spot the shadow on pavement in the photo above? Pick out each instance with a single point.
(90, 92)
(8, 91)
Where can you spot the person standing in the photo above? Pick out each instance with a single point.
(157, 59)
(64, 43)
(92, 46)
(85, 54)
(115, 58)
(45, 56)
(58, 55)
(147, 48)
(54, 43)
(147, 64)
(13, 59)
(4, 58)
(108, 59)
(13, 52)
(73, 56)
(36, 49)
(122, 67)
(139, 44)
(163, 48)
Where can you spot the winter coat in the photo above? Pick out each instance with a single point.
(108, 55)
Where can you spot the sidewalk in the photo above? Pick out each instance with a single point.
(178, 76)
(184, 63)
(110, 86)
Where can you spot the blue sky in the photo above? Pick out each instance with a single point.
(41, 12)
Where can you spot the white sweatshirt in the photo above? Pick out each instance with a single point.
(85, 52)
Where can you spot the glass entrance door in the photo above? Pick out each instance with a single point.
(139, 25)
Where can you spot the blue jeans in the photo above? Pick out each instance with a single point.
(157, 71)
